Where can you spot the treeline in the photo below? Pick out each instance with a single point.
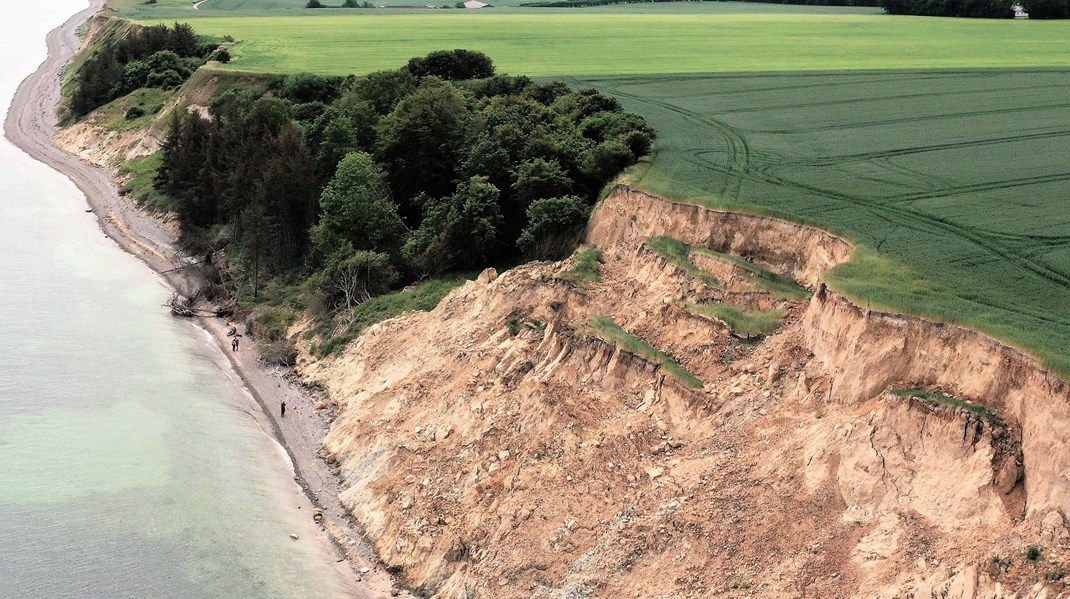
(374, 182)
(585, 3)
(989, 9)
(985, 9)
(157, 56)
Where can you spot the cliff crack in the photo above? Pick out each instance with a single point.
(885, 478)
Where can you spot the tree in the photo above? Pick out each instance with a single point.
(338, 140)
(135, 74)
(607, 159)
(384, 89)
(361, 276)
(356, 211)
(475, 221)
(420, 138)
(306, 87)
(256, 231)
(452, 65)
(1047, 9)
(461, 231)
(555, 226)
(539, 178)
(183, 41)
(488, 158)
(289, 190)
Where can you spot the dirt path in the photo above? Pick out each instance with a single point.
(30, 125)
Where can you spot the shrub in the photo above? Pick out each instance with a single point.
(1033, 553)
(134, 113)
(306, 87)
(554, 227)
(586, 267)
(452, 65)
(314, 4)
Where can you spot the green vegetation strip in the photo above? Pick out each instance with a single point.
(143, 170)
(586, 267)
(245, 8)
(422, 297)
(777, 285)
(939, 398)
(742, 321)
(581, 43)
(679, 253)
(611, 332)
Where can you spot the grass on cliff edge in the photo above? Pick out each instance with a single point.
(743, 322)
(941, 399)
(586, 267)
(421, 297)
(679, 253)
(604, 327)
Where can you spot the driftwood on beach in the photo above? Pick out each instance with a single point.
(188, 306)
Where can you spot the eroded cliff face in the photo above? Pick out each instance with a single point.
(498, 447)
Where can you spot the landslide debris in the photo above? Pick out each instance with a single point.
(504, 445)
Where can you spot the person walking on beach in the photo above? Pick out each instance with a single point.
(282, 408)
(234, 343)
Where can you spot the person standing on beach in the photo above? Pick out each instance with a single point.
(234, 343)
(282, 408)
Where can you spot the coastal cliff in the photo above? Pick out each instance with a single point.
(488, 458)
(511, 443)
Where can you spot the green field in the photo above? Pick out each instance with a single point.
(168, 9)
(938, 145)
(954, 183)
(580, 43)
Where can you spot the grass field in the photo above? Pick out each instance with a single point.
(954, 184)
(580, 43)
(938, 145)
(167, 9)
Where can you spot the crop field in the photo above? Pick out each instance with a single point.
(939, 146)
(167, 9)
(581, 43)
(956, 185)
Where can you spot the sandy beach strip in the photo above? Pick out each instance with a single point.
(31, 123)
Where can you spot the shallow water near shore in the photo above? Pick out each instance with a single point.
(131, 465)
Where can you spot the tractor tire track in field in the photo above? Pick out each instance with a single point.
(883, 98)
(975, 187)
(824, 161)
(740, 159)
(850, 80)
(916, 218)
(899, 121)
(738, 149)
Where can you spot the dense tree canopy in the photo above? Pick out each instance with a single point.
(1047, 9)
(438, 166)
(990, 9)
(157, 56)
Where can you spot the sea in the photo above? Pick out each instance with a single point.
(132, 463)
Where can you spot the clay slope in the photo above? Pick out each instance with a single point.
(503, 445)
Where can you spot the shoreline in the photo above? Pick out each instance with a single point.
(30, 124)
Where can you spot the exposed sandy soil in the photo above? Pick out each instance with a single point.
(31, 125)
(495, 447)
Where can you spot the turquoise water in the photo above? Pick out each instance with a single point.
(130, 463)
